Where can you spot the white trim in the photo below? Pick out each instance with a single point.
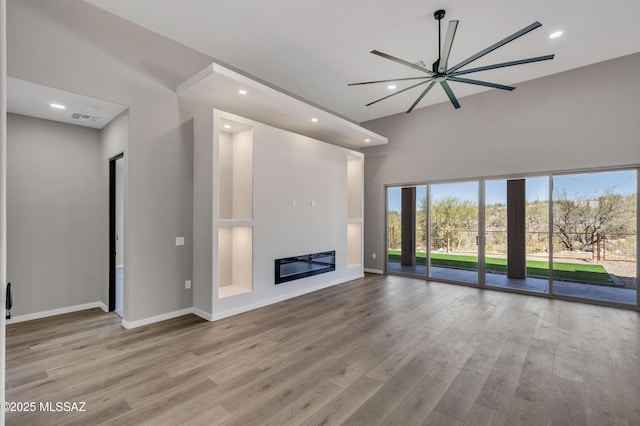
(202, 314)
(146, 321)
(374, 271)
(59, 311)
(186, 311)
(263, 303)
(267, 302)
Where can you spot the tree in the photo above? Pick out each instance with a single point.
(395, 229)
(449, 216)
(421, 225)
(578, 220)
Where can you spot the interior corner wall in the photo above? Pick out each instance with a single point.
(73, 46)
(578, 119)
(53, 210)
(115, 140)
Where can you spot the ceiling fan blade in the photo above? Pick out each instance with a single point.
(503, 64)
(397, 93)
(496, 45)
(449, 92)
(421, 96)
(481, 83)
(401, 61)
(446, 47)
(387, 81)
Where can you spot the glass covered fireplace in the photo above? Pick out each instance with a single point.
(306, 265)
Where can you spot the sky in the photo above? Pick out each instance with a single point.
(537, 188)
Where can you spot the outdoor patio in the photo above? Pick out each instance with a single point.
(536, 285)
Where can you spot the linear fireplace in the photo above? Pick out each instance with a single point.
(306, 265)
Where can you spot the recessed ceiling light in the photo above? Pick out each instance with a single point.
(555, 34)
(227, 126)
(315, 120)
(242, 92)
(57, 106)
(367, 140)
(391, 86)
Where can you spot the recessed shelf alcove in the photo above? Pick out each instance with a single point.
(235, 260)
(354, 210)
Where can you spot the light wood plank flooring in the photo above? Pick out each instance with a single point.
(381, 350)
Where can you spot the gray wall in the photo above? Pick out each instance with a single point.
(54, 196)
(97, 56)
(584, 118)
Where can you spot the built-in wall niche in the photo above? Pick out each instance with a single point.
(354, 187)
(235, 260)
(354, 244)
(354, 210)
(236, 171)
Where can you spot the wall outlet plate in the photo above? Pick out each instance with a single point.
(179, 241)
(187, 284)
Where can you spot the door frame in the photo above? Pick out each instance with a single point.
(112, 230)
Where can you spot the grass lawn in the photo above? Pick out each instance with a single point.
(535, 268)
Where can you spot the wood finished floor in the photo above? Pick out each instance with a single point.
(380, 350)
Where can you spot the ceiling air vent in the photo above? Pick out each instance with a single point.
(76, 115)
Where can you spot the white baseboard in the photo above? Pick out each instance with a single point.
(146, 321)
(261, 304)
(186, 311)
(202, 314)
(242, 309)
(374, 271)
(59, 311)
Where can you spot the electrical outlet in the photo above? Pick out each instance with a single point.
(187, 284)
(373, 255)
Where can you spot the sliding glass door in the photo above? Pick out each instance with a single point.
(516, 216)
(572, 235)
(407, 229)
(595, 236)
(453, 231)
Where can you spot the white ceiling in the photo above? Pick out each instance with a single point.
(313, 49)
(26, 98)
(220, 87)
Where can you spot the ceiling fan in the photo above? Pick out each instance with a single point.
(442, 74)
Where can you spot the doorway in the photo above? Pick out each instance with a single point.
(116, 234)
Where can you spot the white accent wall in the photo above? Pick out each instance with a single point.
(584, 118)
(295, 202)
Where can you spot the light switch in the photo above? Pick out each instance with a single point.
(179, 241)
(313, 203)
(293, 203)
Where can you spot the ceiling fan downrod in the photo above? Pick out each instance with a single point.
(438, 15)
